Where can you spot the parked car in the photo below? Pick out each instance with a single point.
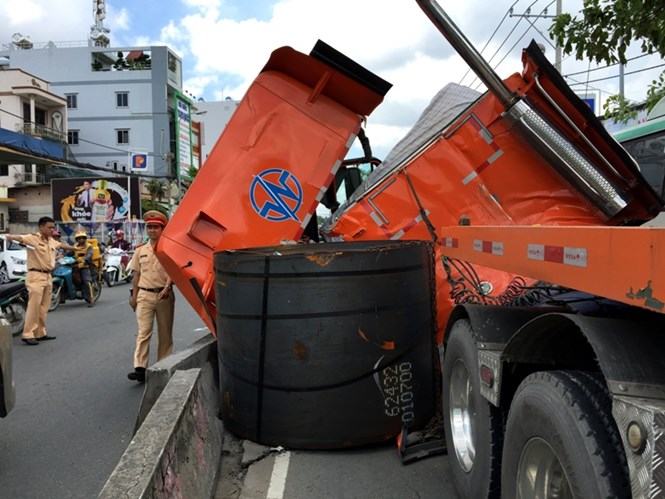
(12, 261)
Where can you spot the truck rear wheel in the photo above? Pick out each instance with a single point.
(561, 440)
(472, 425)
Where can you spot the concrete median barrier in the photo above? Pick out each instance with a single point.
(201, 354)
(176, 451)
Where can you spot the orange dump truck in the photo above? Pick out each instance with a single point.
(550, 293)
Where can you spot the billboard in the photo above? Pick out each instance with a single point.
(94, 199)
(183, 143)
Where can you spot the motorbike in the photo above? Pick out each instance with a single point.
(115, 267)
(13, 305)
(66, 288)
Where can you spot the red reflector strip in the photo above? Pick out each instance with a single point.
(491, 247)
(576, 257)
(401, 232)
(450, 242)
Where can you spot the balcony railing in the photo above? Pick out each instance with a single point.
(41, 131)
(29, 178)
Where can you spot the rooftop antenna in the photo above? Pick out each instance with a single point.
(98, 32)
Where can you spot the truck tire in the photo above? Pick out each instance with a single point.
(560, 430)
(473, 426)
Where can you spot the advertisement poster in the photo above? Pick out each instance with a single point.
(94, 199)
(183, 121)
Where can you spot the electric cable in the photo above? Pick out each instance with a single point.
(506, 38)
(492, 36)
(625, 74)
(606, 66)
(518, 41)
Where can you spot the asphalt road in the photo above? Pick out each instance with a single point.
(75, 408)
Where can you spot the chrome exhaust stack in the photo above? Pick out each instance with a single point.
(566, 159)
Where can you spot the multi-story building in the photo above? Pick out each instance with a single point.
(119, 100)
(213, 117)
(29, 111)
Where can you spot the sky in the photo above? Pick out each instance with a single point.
(225, 43)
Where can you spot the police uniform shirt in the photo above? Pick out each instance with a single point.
(42, 254)
(145, 261)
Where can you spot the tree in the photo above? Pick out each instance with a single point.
(156, 189)
(603, 34)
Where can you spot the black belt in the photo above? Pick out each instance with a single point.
(40, 270)
(152, 290)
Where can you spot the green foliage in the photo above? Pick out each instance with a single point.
(149, 204)
(192, 172)
(656, 91)
(156, 189)
(604, 32)
(619, 108)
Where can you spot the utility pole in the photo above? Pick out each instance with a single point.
(528, 15)
(557, 50)
(621, 89)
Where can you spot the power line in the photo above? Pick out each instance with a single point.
(601, 90)
(607, 66)
(519, 39)
(528, 9)
(492, 35)
(625, 74)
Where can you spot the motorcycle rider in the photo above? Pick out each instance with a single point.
(83, 254)
(120, 241)
(59, 253)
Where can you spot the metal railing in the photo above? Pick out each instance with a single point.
(41, 131)
(31, 178)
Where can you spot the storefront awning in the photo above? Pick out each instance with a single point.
(13, 156)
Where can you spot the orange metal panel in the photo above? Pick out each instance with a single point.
(478, 170)
(626, 264)
(263, 179)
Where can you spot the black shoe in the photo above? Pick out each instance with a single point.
(30, 341)
(46, 338)
(138, 374)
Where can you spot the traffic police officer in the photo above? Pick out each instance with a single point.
(41, 262)
(152, 297)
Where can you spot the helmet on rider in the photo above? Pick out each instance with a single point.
(81, 234)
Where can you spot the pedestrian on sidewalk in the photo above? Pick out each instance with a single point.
(151, 297)
(41, 250)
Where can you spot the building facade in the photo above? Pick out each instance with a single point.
(119, 100)
(213, 117)
(29, 107)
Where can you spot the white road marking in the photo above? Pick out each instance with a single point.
(278, 478)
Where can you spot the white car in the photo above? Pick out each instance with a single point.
(12, 260)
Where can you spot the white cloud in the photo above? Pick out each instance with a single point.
(197, 84)
(46, 20)
(29, 11)
(117, 20)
